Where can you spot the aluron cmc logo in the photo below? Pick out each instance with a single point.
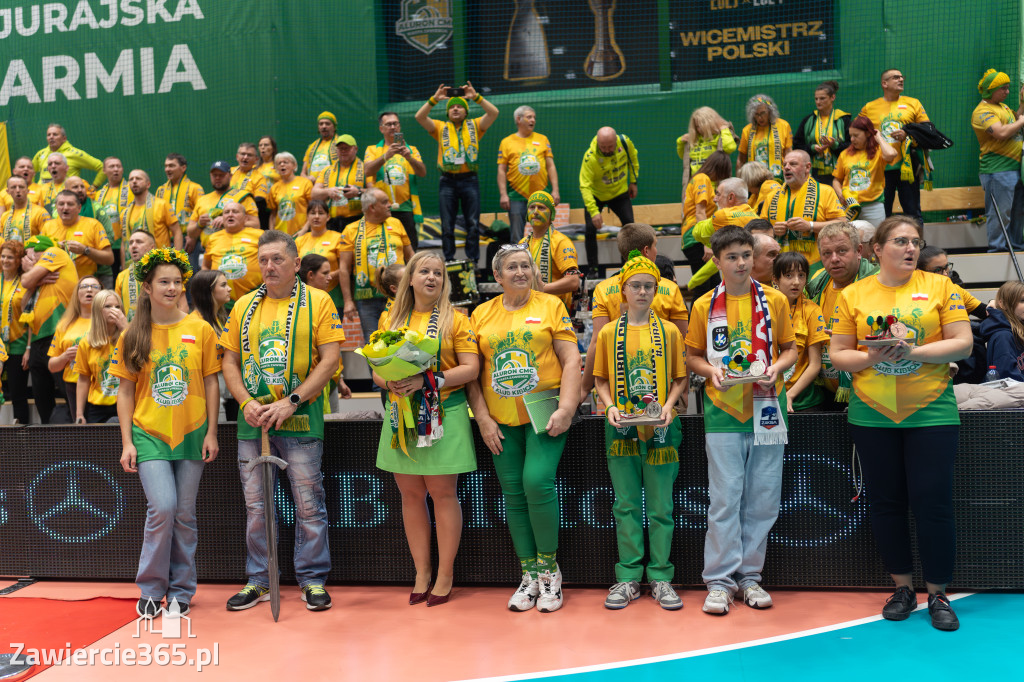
(170, 385)
(74, 501)
(425, 24)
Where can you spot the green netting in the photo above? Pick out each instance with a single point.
(140, 78)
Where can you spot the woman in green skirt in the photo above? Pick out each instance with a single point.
(430, 457)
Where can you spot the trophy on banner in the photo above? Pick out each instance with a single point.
(605, 60)
(886, 330)
(526, 50)
(742, 369)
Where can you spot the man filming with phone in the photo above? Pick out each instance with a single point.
(458, 159)
(393, 165)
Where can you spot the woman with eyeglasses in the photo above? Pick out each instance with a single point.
(903, 415)
(73, 325)
(528, 347)
(934, 259)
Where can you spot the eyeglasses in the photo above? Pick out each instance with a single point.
(903, 241)
(83, 287)
(636, 287)
(943, 269)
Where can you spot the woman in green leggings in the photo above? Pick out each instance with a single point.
(527, 345)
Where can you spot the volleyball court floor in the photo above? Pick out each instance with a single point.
(371, 633)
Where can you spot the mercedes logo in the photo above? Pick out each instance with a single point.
(815, 509)
(74, 501)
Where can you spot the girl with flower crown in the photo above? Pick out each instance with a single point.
(167, 404)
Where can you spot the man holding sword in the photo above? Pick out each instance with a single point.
(281, 347)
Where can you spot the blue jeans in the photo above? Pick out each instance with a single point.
(312, 555)
(456, 189)
(167, 565)
(516, 217)
(745, 487)
(370, 311)
(1003, 191)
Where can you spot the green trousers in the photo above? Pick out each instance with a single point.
(526, 470)
(637, 483)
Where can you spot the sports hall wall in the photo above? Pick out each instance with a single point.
(141, 78)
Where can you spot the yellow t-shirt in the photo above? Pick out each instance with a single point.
(996, 155)
(35, 196)
(754, 142)
(235, 254)
(668, 303)
(3, 352)
(462, 152)
(253, 181)
(809, 329)
(829, 299)
(213, 204)
(169, 420)
(700, 191)
(110, 202)
(327, 245)
(462, 339)
(53, 298)
(394, 176)
(561, 259)
(891, 116)
(336, 176)
(731, 410)
(22, 223)
(738, 215)
(320, 154)
(182, 197)
(373, 253)
(640, 370)
(526, 159)
(267, 170)
(289, 200)
(862, 176)
(905, 393)
(159, 222)
(970, 302)
(272, 316)
(94, 365)
(88, 231)
(11, 330)
(48, 198)
(786, 204)
(518, 352)
(62, 340)
(767, 189)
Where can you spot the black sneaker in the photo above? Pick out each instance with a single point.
(941, 612)
(316, 598)
(148, 607)
(248, 597)
(900, 605)
(176, 609)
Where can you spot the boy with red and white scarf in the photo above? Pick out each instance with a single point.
(745, 428)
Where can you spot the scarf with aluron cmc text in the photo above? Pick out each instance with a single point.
(629, 440)
(769, 424)
(298, 351)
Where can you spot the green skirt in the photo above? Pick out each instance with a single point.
(453, 454)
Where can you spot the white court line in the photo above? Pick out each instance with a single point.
(697, 652)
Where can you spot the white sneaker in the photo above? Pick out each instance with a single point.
(717, 602)
(525, 596)
(662, 592)
(620, 594)
(756, 598)
(550, 585)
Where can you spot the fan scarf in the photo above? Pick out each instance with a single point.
(429, 422)
(298, 334)
(797, 241)
(769, 424)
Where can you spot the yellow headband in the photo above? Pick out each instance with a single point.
(637, 265)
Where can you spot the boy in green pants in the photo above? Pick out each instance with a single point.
(639, 368)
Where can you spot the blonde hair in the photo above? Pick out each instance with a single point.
(99, 336)
(405, 299)
(755, 174)
(1007, 298)
(706, 123)
(840, 227)
(73, 311)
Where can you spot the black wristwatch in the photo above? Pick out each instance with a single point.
(294, 399)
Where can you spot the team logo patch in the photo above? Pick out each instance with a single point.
(273, 360)
(720, 338)
(170, 385)
(425, 24)
(514, 373)
(769, 417)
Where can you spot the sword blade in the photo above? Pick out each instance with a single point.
(270, 520)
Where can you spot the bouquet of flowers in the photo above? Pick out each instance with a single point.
(399, 354)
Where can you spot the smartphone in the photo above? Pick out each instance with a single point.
(455, 92)
(400, 138)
